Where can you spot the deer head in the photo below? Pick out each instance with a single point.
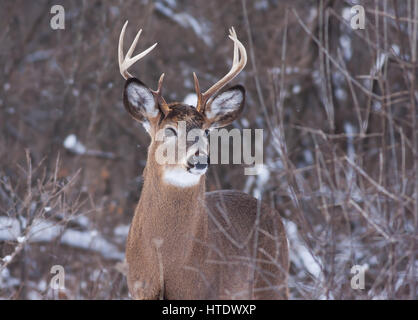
(214, 109)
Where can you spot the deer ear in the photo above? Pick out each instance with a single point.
(225, 107)
(139, 101)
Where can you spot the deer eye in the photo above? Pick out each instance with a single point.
(170, 132)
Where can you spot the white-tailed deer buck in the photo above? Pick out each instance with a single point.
(184, 243)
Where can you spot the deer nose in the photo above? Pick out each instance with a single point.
(198, 161)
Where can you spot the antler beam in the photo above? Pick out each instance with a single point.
(238, 63)
(126, 61)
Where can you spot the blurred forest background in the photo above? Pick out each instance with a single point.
(338, 105)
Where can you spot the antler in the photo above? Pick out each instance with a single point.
(125, 62)
(238, 63)
(158, 95)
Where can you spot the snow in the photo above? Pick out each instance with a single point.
(307, 154)
(171, 3)
(248, 183)
(316, 76)
(288, 70)
(346, 13)
(313, 12)
(42, 285)
(190, 99)
(71, 143)
(82, 221)
(121, 230)
(91, 241)
(296, 89)
(341, 94)
(186, 20)
(34, 295)
(396, 49)
(299, 253)
(114, 11)
(261, 5)
(46, 231)
(263, 175)
(278, 142)
(5, 273)
(350, 130)
(6, 280)
(39, 55)
(7, 259)
(380, 60)
(95, 275)
(377, 106)
(245, 122)
(345, 43)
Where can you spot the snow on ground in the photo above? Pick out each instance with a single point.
(6, 279)
(46, 231)
(73, 144)
(299, 253)
(262, 177)
(345, 42)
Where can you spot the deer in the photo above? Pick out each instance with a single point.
(183, 242)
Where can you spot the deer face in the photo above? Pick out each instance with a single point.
(169, 123)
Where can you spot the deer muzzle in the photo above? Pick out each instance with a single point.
(198, 163)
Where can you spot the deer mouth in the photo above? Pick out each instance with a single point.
(198, 164)
(198, 169)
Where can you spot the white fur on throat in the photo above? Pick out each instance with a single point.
(179, 177)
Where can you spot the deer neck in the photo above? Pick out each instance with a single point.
(169, 203)
(175, 215)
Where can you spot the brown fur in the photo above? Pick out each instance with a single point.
(187, 244)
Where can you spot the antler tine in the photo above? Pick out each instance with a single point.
(234, 34)
(120, 46)
(158, 95)
(199, 105)
(126, 61)
(238, 63)
(160, 84)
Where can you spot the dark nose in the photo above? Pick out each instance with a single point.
(200, 166)
(197, 161)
